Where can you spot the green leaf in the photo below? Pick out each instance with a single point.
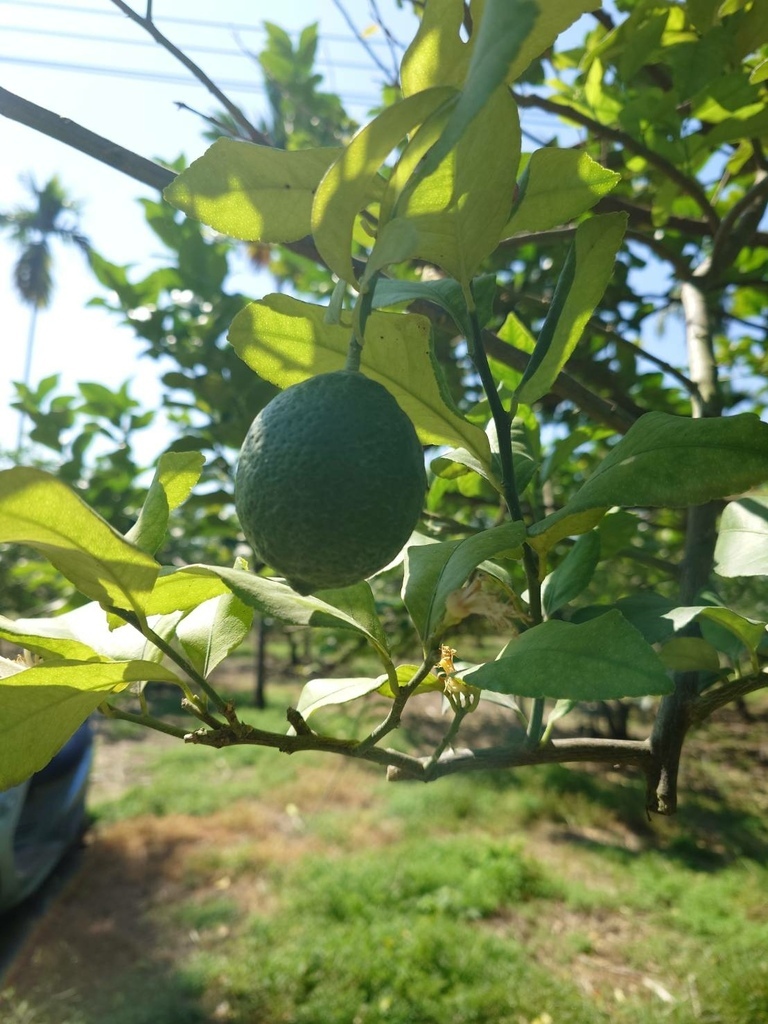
(41, 707)
(441, 216)
(602, 659)
(286, 341)
(573, 574)
(742, 543)
(348, 184)
(88, 633)
(457, 462)
(750, 632)
(38, 510)
(323, 693)
(503, 29)
(554, 18)
(359, 604)
(404, 675)
(213, 630)
(671, 461)
(189, 587)
(433, 571)
(436, 55)
(689, 654)
(545, 534)
(175, 476)
(558, 185)
(256, 193)
(583, 280)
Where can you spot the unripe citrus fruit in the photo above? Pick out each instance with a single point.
(331, 481)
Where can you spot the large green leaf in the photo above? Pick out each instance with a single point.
(742, 543)
(588, 268)
(434, 571)
(443, 217)
(87, 633)
(347, 185)
(503, 28)
(38, 510)
(668, 461)
(558, 185)
(175, 476)
(256, 193)
(602, 659)
(41, 707)
(286, 341)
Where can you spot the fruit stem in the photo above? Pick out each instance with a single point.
(354, 354)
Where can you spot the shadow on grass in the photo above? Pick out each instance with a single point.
(96, 955)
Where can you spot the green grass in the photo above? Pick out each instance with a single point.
(318, 894)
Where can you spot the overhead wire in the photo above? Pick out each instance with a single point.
(175, 19)
(148, 44)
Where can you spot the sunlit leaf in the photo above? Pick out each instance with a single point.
(213, 630)
(441, 216)
(87, 633)
(41, 707)
(40, 511)
(256, 193)
(346, 187)
(175, 476)
(323, 693)
(558, 185)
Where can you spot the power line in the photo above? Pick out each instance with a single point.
(148, 44)
(161, 77)
(172, 19)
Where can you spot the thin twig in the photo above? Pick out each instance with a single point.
(393, 44)
(363, 41)
(711, 701)
(641, 353)
(689, 186)
(232, 108)
(746, 213)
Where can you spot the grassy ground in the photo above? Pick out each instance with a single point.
(248, 887)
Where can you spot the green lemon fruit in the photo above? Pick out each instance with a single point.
(330, 481)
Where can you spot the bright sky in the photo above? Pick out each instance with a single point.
(42, 44)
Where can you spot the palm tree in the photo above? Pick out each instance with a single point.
(53, 215)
